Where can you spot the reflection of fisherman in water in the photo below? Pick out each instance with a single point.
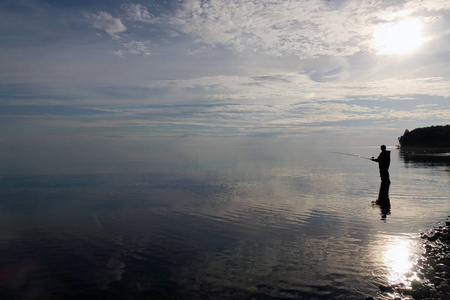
(384, 160)
(383, 200)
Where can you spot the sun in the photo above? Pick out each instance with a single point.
(398, 38)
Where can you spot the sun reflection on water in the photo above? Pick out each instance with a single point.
(397, 258)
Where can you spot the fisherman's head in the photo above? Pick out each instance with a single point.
(383, 148)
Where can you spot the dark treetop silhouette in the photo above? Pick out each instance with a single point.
(426, 137)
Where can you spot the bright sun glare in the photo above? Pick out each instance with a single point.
(398, 260)
(399, 37)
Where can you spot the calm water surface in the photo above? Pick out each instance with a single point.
(260, 222)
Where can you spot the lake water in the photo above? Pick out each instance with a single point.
(267, 223)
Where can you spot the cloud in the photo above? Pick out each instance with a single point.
(135, 47)
(106, 22)
(47, 110)
(138, 13)
(221, 91)
(249, 119)
(296, 88)
(426, 105)
(309, 28)
(114, 27)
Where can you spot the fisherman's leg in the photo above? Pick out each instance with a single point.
(384, 174)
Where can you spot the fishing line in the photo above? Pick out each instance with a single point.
(354, 155)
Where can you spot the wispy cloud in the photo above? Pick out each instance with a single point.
(310, 28)
(307, 29)
(294, 87)
(106, 22)
(138, 13)
(134, 47)
(245, 119)
(304, 28)
(426, 105)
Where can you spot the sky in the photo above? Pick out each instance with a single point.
(311, 72)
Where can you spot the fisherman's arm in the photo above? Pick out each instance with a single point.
(380, 157)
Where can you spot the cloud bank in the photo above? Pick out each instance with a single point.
(306, 29)
(220, 68)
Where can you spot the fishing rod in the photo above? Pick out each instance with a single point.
(354, 155)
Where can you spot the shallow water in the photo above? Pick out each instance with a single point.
(260, 222)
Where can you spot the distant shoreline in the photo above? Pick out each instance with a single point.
(424, 149)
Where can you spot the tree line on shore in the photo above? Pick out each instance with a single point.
(426, 137)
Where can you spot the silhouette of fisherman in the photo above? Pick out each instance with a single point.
(384, 160)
